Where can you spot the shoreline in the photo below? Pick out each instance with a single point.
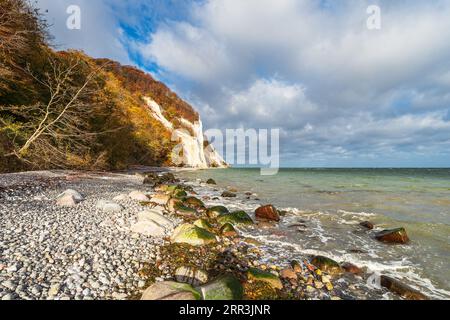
(90, 272)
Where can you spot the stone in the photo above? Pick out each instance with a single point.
(204, 224)
(351, 268)
(226, 287)
(54, 290)
(327, 265)
(180, 194)
(401, 289)
(267, 212)
(161, 199)
(173, 204)
(367, 224)
(169, 290)
(148, 228)
(394, 236)
(236, 218)
(194, 203)
(296, 266)
(138, 196)
(211, 181)
(74, 194)
(192, 276)
(66, 201)
(264, 276)
(228, 230)
(155, 216)
(216, 211)
(109, 206)
(289, 273)
(120, 197)
(193, 235)
(228, 194)
(184, 211)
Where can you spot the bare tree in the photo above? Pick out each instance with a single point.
(59, 129)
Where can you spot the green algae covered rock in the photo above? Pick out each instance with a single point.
(226, 287)
(236, 218)
(204, 224)
(216, 211)
(193, 235)
(264, 276)
(327, 265)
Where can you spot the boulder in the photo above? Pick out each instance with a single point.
(173, 203)
(179, 194)
(204, 224)
(191, 275)
(268, 213)
(327, 265)
(109, 206)
(138, 196)
(160, 199)
(155, 216)
(216, 211)
(211, 181)
(193, 235)
(169, 290)
(194, 203)
(226, 287)
(69, 198)
(235, 218)
(351, 268)
(228, 194)
(296, 266)
(367, 224)
(401, 289)
(228, 230)
(148, 228)
(184, 211)
(264, 276)
(151, 178)
(395, 236)
(289, 273)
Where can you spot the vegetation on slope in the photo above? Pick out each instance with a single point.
(67, 110)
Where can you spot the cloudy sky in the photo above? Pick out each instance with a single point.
(342, 95)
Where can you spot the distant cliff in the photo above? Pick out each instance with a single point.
(67, 110)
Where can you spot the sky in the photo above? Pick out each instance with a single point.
(342, 95)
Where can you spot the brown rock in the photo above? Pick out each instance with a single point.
(397, 236)
(267, 212)
(288, 273)
(351, 268)
(401, 289)
(367, 224)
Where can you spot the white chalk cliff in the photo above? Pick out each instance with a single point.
(190, 151)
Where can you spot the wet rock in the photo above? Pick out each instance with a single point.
(289, 273)
(267, 212)
(216, 211)
(211, 181)
(367, 224)
(226, 287)
(138, 196)
(395, 236)
(191, 276)
(169, 290)
(351, 268)
(184, 211)
(179, 194)
(193, 235)
(236, 218)
(228, 230)
(194, 203)
(109, 206)
(173, 203)
(161, 199)
(401, 289)
(151, 178)
(296, 266)
(327, 265)
(229, 194)
(204, 224)
(264, 276)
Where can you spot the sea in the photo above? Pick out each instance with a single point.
(324, 207)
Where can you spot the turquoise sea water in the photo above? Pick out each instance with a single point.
(332, 202)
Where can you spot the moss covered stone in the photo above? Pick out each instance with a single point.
(264, 276)
(327, 265)
(204, 224)
(216, 211)
(193, 202)
(226, 287)
(228, 230)
(236, 218)
(193, 235)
